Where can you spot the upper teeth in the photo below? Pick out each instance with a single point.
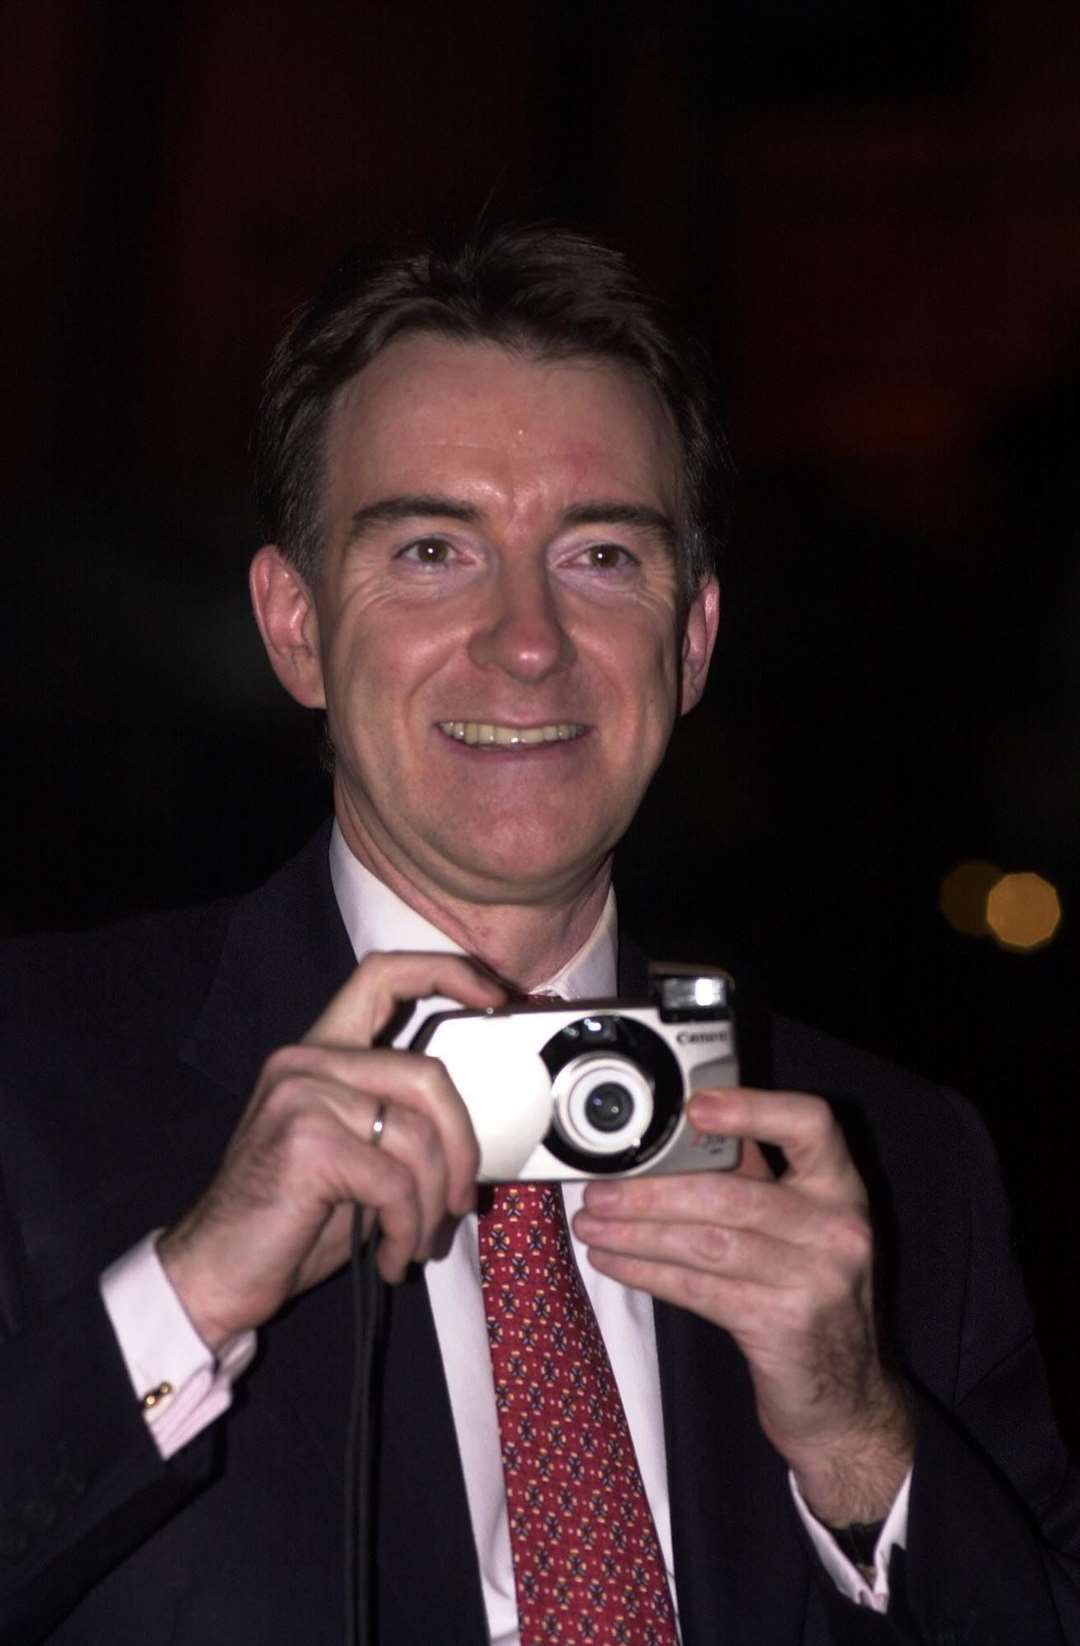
(479, 731)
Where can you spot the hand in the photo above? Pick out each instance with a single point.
(786, 1266)
(277, 1218)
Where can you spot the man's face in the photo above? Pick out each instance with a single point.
(493, 630)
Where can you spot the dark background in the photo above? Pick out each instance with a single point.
(870, 211)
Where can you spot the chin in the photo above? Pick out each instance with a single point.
(524, 877)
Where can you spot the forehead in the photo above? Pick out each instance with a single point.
(430, 408)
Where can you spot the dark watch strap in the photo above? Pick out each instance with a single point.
(858, 1540)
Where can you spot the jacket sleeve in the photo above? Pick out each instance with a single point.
(81, 1481)
(993, 1542)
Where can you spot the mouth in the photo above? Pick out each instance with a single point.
(482, 734)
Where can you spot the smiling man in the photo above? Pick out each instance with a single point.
(702, 1408)
(499, 584)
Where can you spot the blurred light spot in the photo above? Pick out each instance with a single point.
(964, 894)
(1023, 911)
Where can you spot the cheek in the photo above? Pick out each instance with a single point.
(373, 672)
(643, 667)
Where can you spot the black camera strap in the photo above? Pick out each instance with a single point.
(369, 1320)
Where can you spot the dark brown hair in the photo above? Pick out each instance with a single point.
(542, 290)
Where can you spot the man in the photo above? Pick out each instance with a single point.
(488, 478)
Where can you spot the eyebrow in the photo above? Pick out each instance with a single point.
(411, 506)
(640, 515)
(433, 506)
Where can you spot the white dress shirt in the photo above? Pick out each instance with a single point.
(162, 1350)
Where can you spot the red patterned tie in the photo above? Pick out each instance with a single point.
(587, 1564)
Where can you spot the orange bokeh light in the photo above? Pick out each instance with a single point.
(1023, 912)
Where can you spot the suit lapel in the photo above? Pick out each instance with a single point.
(741, 1569)
(285, 953)
(425, 1546)
(427, 1570)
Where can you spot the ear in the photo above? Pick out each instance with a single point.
(285, 612)
(699, 637)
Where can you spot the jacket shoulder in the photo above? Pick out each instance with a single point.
(805, 1059)
(71, 983)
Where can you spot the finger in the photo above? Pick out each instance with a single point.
(276, 1216)
(717, 1199)
(735, 1254)
(410, 1138)
(313, 1127)
(420, 1086)
(365, 1004)
(410, 1080)
(399, 1194)
(800, 1124)
(726, 1302)
(774, 1320)
(387, 1189)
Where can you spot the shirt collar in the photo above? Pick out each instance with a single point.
(376, 918)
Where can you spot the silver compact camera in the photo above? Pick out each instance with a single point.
(593, 1088)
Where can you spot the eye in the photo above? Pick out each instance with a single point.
(426, 551)
(607, 557)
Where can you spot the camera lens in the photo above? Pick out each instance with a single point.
(602, 1104)
(617, 1094)
(609, 1107)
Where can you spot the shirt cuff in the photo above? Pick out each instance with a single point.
(848, 1578)
(180, 1385)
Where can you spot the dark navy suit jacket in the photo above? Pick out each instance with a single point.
(127, 1057)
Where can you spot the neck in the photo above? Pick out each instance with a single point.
(524, 947)
(524, 943)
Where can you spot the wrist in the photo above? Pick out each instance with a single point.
(855, 1480)
(184, 1279)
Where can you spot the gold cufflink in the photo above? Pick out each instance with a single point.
(153, 1397)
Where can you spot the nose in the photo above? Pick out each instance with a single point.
(521, 629)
